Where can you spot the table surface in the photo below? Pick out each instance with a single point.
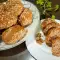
(20, 52)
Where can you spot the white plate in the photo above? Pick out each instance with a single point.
(30, 28)
(40, 52)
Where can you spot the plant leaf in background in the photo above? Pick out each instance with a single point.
(41, 2)
(56, 7)
(49, 9)
(53, 17)
(46, 7)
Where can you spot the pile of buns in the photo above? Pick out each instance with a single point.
(51, 30)
(14, 17)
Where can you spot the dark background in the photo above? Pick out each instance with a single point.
(22, 47)
(54, 2)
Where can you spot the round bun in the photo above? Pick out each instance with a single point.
(26, 17)
(9, 12)
(13, 34)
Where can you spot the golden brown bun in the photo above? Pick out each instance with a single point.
(14, 6)
(56, 47)
(46, 22)
(13, 34)
(49, 26)
(7, 20)
(9, 13)
(26, 17)
(52, 34)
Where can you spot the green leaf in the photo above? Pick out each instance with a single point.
(49, 9)
(53, 17)
(41, 2)
(48, 4)
(56, 7)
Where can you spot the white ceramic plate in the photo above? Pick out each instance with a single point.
(30, 28)
(40, 52)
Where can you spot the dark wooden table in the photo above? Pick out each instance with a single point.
(22, 47)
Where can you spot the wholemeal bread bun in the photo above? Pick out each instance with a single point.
(9, 12)
(56, 47)
(6, 20)
(50, 26)
(46, 22)
(14, 6)
(52, 34)
(13, 34)
(25, 18)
